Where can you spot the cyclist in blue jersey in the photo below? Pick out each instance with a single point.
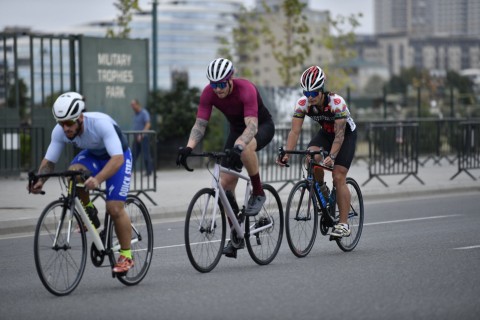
(337, 135)
(105, 155)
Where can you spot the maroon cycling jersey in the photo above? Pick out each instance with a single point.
(243, 101)
(334, 107)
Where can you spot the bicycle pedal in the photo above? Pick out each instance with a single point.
(119, 274)
(232, 255)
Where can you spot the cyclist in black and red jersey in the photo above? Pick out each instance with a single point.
(337, 135)
(251, 129)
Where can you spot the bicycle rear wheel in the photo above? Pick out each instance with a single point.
(60, 249)
(263, 246)
(301, 219)
(355, 217)
(141, 244)
(204, 234)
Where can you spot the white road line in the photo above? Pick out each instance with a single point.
(467, 248)
(409, 220)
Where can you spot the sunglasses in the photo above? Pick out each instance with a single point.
(312, 94)
(221, 85)
(67, 123)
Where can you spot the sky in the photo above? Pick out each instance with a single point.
(58, 16)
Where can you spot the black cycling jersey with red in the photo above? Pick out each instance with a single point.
(333, 108)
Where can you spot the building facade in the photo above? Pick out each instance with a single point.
(427, 17)
(188, 34)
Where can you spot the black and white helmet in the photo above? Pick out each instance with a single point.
(220, 69)
(68, 106)
(313, 79)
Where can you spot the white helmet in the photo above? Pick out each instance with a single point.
(220, 69)
(312, 79)
(68, 106)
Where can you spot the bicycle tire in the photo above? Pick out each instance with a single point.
(203, 243)
(263, 246)
(355, 217)
(60, 267)
(301, 217)
(142, 241)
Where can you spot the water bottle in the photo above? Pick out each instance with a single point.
(332, 198)
(325, 190)
(320, 193)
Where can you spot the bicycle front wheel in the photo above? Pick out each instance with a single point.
(265, 230)
(204, 233)
(301, 219)
(60, 248)
(141, 244)
(355, 217)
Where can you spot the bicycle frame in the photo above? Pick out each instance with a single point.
(309, 175)
(220, 193)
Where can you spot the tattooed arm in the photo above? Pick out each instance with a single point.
(340, 127)
(197, 133)
(45, 167)
(249, 132)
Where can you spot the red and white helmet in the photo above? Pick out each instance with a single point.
(220, 69)
(313, 79)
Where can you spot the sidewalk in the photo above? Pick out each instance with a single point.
(19, 210)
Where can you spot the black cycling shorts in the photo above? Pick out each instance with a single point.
(347, 151)
(264, 135)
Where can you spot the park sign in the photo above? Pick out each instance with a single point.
(113, 72)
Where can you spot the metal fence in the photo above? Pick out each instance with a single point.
(393, 150)
(388, 148)
(469, 153)
(22, 150)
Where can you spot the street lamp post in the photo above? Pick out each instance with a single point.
(154, 43)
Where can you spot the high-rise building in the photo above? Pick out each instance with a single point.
(419, 18)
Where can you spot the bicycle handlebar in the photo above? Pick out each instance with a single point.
(33, 177)
(282, 152)
(217, 156)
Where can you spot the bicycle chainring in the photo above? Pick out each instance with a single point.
(236, 242)
(324, 225)
(96, 256)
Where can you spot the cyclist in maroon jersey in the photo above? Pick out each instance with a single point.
(251, 129)
(336, 135)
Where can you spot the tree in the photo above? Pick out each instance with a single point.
(126, 8)
(338, 39)
(23, 100)
(244, 42)
(293, 47)
(464, 86)
(177, 110)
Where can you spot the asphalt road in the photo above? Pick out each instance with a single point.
(418, 259)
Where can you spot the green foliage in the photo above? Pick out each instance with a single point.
(23, 99)
(464, 86)
(245, 41)
(176, 110)
(293, 47)
(25, 150)
(215, 136)
(126, 8)
(339, 39)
